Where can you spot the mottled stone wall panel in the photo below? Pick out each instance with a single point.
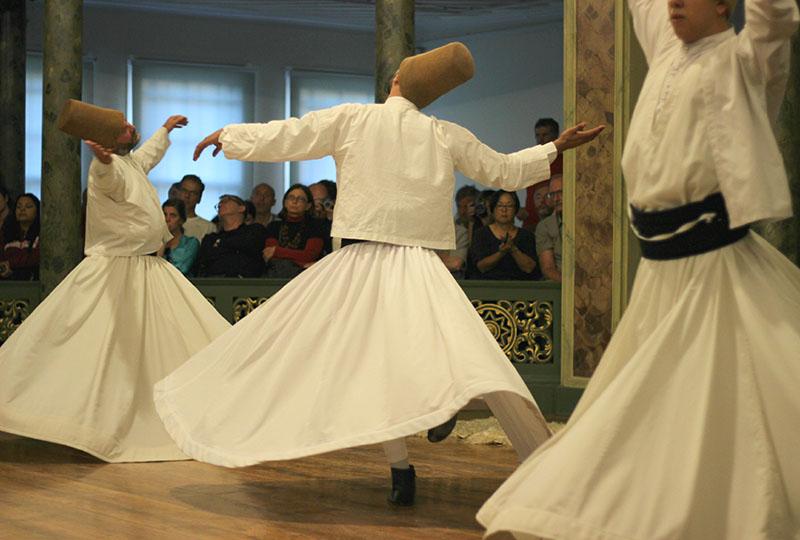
(61, 155)
(12, 95)
(594, 186)
(394, 40)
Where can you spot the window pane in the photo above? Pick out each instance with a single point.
(210, 97)
(313, 90)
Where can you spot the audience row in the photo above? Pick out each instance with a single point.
(245, 239)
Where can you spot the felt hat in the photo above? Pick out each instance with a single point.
(90, 122)
(424, 77)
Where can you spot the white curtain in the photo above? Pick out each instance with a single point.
(211, 97)
(313, 90)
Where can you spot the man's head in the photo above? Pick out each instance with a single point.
(466, 197)
(693, 20)
(231, 211)
(540, 192)
(263, 197)
(319, 194)
(191, 192)
(554, 193)
(546, 130)
(174, 191)
(127, 140)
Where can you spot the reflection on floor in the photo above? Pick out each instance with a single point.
(51, 491)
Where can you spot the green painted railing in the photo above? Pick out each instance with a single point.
(524, 317)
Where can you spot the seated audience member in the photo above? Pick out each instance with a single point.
(546, 130)
(234, 251)
(482, 206)
(456, 259)
(466, 201)
(548, 234)
(20, 257)
(182, 250)
(192, 193)
(263, 198)
(503, 250)
(324, 193)
(296, 241)
(174, 191)
(250, 213)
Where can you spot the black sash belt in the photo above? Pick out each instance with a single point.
(703, 237)
(348, 241)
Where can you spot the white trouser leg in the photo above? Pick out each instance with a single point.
(515, 423)
(396, 453)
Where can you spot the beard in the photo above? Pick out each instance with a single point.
(123, 149)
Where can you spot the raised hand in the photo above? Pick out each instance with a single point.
(268, 253)
(175, 121)
(102, 153)
(576, 136)
(212, 139)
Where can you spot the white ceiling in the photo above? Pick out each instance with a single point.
(434, 19)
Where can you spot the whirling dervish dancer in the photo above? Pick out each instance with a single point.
(80, 369)
(376, 341)
(689, 428)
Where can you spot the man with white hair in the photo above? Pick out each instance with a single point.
(689, 427)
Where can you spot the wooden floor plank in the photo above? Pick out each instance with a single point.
(51, 491)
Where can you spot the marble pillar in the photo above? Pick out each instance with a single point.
(394, 40)
(61, 239)
(12, 95)
(590, 186)
(785, 235)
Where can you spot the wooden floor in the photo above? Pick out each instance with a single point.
(51, 491)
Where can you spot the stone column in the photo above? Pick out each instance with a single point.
(785, 235)
(61, 155)
(394, 40)
(12, 95)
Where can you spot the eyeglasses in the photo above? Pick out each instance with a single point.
(296, 198)
(190, 191)
(505, 206)
(553, 194)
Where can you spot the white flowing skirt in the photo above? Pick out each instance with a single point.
(372, 343)
(80, 369)
(690, 428)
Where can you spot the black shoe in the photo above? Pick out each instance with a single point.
(441, 432)
(404, 486)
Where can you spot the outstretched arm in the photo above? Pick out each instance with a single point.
(311, 137)
(152, 151)
(764, 45)
(510, 171)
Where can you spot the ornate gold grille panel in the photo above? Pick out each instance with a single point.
(243, 306)
(12, 313)
(523, 329)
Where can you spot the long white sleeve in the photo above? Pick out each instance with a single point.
(151, 152)
(497, 170)
(311, 137)
(652, 26)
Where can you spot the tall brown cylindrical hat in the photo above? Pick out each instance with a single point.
(424, 77)
(92, 123)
